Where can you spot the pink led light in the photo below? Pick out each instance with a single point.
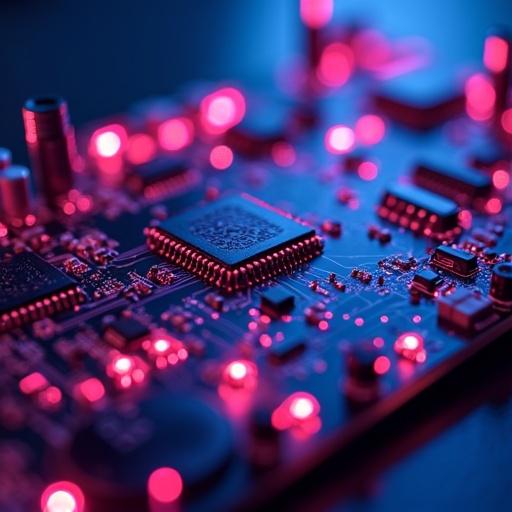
(141, 148)
(381, 365)
(506, 120)
(495, 54)
(222, 109)
(108, 141)
(175, 134)
(500, 179)
(367, 170)
(316, 13)
(336, 65)
(480, 97)
(339, 139)
(221, 157)
(33, 383)
(91, 390)
(370, 129)
(410, 345)
(165, 485)
(493, 206)
(300, 410)
(240, 374)
(62, 497)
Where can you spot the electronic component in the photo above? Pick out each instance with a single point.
(284, 351)
(5, 158)
(125, 331)
(277, 301)
(420, 211)
(15, 194)
(465, 311)
(464, 186)
(420, 100)
(235, 243)
(31, 289)
(426, 282)
(501, 285)
(161, 177)
(455, 261)
(51, 144)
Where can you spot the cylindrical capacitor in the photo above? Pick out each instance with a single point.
(501, 285)
(51, 145)
(15, 195)
(5, 158)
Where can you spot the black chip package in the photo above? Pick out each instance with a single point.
(235, 243)
(124, 331)
(31, 289)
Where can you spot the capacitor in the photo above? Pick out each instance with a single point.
(5, 158)
(51, 145)
(15, 194)
(501, 285)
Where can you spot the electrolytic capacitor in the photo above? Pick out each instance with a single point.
(51, 145)
(501, 285)
(5, 158)
(15, 194)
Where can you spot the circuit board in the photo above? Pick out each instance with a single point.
(232, 286)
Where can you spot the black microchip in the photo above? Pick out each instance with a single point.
(277, 301)
(426, 281)
(235, 242)
(31, 288)
(286, 350)
(455, 261)
(125, 331)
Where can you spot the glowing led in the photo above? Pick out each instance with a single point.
(221, 157)
(108, 141)
(410, 345)
(33, 383)
(141, 148)
(480, 97)
(161, 345)
(500, 179)
(123, 364)
(316, 13)
(165, 485)
(175, 134)
(302, 408)
(381, 365)
(91, 390)
(240, 373)
(299, 410)
(62, 497)
(222, 109)
(506, 120)
(370, 129)
(493, 206)
(336, 65)
(339, 139)
(495, 54)
(367, 170)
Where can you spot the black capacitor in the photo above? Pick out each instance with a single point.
(501, 285)
(15, 194)
(51, 145)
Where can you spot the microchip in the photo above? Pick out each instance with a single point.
(426, 281)
(31, 289)
(125, 331)
(286, 350)
(161, 177)
(235, 243)
(277, 302)
(455, 261)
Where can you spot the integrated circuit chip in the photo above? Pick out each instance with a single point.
(235, 243)
(31, 289)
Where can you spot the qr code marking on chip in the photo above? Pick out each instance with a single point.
(233, 228)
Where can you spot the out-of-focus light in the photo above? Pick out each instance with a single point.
(316, 13)
(283, 154)
(108, 141)
(33, 383)
(495, 54)
(493, 206)
(370, 129)
(367, 170)
(300, 409)
(371, 49)
(506, 120)
(466, 219)
(221, 157)
(222, 109)
(500, 179)
(176, 134)
(165, 350)
(339, 139)
(240, 374)
(480, 97)
(91, 390)
(381, 365)
(141, 148)
(336, 65)
(410, 345)
(165, 485)
(126, 370)
(62, 497)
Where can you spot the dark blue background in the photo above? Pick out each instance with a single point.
(103, 55)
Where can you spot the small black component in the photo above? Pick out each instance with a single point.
(501, 285)
(464, 186)
(426, 281)
(277, 301)
(125, 331)
(215, 301)
(286, 350)
(31, 289)
(465, 311)
(420, 211)
(235, 243)
(162, 176)
(455, 261)
(421, 100)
